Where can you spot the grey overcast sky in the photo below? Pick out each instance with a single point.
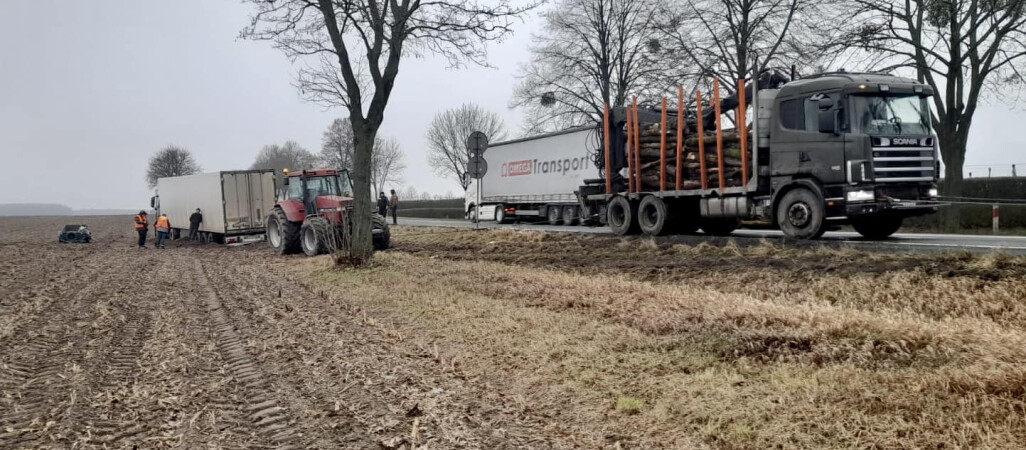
(90, 89)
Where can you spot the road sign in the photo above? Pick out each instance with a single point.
(477, 167)
(477, 143)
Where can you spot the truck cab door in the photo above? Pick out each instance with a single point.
(799, 148)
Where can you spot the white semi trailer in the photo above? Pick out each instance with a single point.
(234, 204)
(535, 178)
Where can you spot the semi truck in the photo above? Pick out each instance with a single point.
(535, 178)
(820, 151)
(234, 204)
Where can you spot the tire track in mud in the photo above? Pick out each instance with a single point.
(262, 408)
(44, 361)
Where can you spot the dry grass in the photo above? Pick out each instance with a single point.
(772, 355)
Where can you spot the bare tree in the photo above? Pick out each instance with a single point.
(591, 52)
(388, 163)
(171, 161)
(289, 155)
(356, 47)
(410, 193)
(338, 144)
(963, 49)
(722, 38)
(447, 138)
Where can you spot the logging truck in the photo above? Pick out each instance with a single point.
(820, 151)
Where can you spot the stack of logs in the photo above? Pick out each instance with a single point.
(691, 166)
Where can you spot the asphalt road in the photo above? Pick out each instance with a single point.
(920, 242)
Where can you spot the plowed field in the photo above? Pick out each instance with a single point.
(504, 339)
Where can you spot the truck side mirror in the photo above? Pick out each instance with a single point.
(153, 202)
(829, 122)
(825, 103)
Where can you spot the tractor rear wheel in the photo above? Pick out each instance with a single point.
(384, 239)
(314, 236)
(282, 234)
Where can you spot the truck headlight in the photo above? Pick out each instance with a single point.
(933, 193)
(860, 196)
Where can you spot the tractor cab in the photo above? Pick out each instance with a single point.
(322, 192)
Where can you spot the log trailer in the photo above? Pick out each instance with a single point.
(823, 150)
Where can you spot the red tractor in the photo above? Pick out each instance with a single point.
(312, 212)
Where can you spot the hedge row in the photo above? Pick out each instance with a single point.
(979, 217)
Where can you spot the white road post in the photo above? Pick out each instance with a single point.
(996, 219)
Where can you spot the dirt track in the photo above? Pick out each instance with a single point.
(105, 345)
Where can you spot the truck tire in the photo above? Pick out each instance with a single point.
(472, 215)
(314, 236)
(801, 214)
(653, 216)
(282, 235)
(554, 214)
(719, 227)
(570, 215)
(383, 240)
(878, 226)
(500, 213)
(622, 216)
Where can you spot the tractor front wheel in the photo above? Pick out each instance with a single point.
(282, 235)
(314, 236)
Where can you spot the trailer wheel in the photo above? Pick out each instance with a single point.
(720, 227)
(570, 215)
(653, 216)
(554, 215)
(622, 216)
(878, 226)
(282, 235)
(801, 214)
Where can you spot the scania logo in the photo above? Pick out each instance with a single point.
(905, 141)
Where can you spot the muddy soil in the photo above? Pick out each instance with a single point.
(104, 345)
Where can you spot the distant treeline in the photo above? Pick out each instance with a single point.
(979, 217)
(53, 209)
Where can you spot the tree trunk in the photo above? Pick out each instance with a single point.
(361, 248)
(953, 147)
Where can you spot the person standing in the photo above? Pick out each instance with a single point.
(163, 228)
(393, 204)
(194, 223)
(141, 227)
(382, 204)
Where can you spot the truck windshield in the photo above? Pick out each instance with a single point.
(907, 114)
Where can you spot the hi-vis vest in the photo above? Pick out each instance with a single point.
(162, 222)
(140, 222)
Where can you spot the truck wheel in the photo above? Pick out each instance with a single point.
(719, 227)
(384, 239)
(472, 215)
(314, 236)
(570, 215)
(500, 213)
(555, 215)
(282, 235)
(621, 216)
(653, 217)
(801, 214)
(878, 226)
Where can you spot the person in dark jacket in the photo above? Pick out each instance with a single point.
(194, 223)
(382, 204)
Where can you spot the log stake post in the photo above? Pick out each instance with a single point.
(681, 117)
(719, 136)
(662, 150)
(701, 142)
(742, 123)
(637, 155)
(630, 150)
(609, 150)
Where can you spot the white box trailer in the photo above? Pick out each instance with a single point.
(234, 204)
(535, 177)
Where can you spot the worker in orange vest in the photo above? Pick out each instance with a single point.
(163, 227)
(141, 223)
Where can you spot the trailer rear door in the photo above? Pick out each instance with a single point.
(248, 196)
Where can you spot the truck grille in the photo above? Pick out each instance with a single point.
(900, 164)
